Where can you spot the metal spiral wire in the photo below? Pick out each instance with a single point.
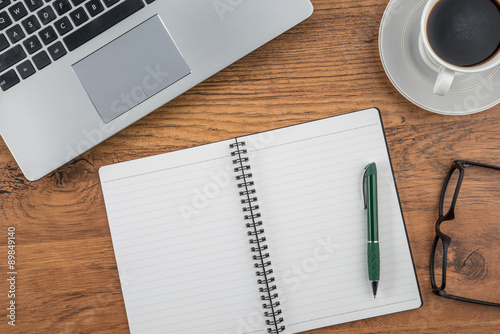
(257, 239)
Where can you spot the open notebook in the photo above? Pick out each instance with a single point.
(205, 244)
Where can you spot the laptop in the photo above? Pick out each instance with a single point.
(75, 72)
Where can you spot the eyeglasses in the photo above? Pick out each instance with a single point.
(448, 200)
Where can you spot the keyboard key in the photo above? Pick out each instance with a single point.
(110, 3)
(94, 7)
(32, 44)
(47, 35)
(4, 3)
(11, 57)
(149, 1)
(41, 60)
(5, 20)
(8, 79)
(56, 50)
(61, 6)
(25, 69)
(4, 43)
(31, 24)
(77, 2)
(63, 26)
(102, 23)
(46, 15)
(15, 33)
(18, 11)
(79, 16)
(33, 4)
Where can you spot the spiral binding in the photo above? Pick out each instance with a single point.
(257, 240)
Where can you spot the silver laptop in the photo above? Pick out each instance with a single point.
(75, 72)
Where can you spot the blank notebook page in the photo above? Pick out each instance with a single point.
(180, 243)
(308, 180)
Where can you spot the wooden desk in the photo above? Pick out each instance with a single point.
(67, 279)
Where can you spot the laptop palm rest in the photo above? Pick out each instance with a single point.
(131, 69)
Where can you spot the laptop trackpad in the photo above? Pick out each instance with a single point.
(131, 69)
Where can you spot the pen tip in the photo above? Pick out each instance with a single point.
(374, 287)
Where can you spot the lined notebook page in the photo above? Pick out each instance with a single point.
(308, 181)
(180, 243)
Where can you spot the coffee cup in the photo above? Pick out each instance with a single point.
(459, 36)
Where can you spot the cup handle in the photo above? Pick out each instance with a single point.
(443, 81)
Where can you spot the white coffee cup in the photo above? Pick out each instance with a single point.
(446, 71)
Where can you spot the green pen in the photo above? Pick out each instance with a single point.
(371, 207)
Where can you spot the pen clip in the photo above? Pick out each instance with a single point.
(363, 185)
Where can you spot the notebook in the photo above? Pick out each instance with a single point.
(264, 233)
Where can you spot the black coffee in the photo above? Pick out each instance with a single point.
(464, 32)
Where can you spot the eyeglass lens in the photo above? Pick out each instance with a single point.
(438, 263)
(449, 192)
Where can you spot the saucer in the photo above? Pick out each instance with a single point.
(414, 79)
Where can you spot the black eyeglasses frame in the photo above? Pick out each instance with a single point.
(445, 239)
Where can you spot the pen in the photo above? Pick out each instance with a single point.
(371, 207)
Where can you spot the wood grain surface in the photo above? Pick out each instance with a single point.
(67, 280)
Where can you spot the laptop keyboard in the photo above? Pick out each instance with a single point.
(36, 33)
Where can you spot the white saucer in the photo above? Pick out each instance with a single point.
(398, 47)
